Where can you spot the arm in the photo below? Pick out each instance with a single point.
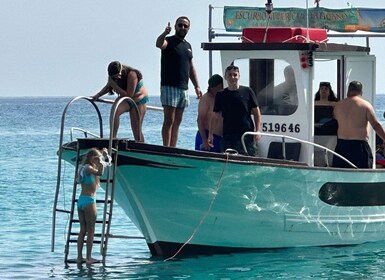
(132, 81)
(161, 41)
(98, 169)
(375, 123)
(213, 123)
(194, 80)
(102, 92)
(202, 116)
(257, 121)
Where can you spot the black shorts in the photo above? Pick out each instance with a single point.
(357, 152)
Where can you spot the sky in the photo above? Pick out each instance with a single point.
(63, 48)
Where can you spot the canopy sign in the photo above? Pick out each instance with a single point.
(342, 20)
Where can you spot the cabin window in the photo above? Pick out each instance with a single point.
(274, 83)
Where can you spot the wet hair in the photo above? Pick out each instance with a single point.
(331, 97)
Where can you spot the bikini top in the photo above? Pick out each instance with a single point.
(84, 178)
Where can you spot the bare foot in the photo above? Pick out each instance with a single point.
(80, 260)
(92, 261)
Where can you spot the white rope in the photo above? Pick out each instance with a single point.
(205, 214)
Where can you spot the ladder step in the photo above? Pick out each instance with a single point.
(101, 201)
(102, 180)
(95, 235)
(97, 221)
(63, 211)
(85, 240)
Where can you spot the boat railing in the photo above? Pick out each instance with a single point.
(284, 137)
(86, 133)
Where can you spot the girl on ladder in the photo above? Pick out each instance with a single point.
(89, 177)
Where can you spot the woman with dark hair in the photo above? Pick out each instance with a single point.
(126, 82)
(325, 95)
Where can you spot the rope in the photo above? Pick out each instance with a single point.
(206, 213)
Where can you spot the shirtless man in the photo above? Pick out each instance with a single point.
(205, 113)
(353, 115)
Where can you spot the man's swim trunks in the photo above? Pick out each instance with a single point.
(217, 142)
(174, 97)
(357, 152)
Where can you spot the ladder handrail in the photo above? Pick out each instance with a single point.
(295, 139)
(75, 184)
(104, 237)
(60, 158)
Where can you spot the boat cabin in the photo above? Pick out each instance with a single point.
(281, 69)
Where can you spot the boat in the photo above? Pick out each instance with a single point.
(187, 202)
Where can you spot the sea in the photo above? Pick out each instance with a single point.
(29, 140)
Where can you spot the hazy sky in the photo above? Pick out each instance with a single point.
(62, 48)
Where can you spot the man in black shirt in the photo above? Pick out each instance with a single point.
(236, 104)
(176, 70)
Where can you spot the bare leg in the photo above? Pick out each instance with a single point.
(169, 116)
(123, 107)
(175, 126)
(81, 236)
(135, 123)
(90, 216)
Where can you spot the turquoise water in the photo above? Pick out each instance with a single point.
(29, 138)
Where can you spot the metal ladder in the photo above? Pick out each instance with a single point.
(105, 223)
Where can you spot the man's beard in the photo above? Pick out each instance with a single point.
(181, 34)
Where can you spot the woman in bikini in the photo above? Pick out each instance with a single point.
(126, 81)
(88, 177)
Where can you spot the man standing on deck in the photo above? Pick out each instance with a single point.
(176, 70)
(353, 115)
(205, 114)
(235, 104)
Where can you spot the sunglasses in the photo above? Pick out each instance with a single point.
(232, 67)
(180, 25)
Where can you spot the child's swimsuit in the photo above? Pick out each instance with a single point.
(84, 178)
(85, 200)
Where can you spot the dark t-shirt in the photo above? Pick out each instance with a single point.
(175, 63)
(236, 107)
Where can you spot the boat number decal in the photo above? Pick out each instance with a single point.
(281, 127)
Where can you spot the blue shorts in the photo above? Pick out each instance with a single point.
(85, 200)
(217, 142)
(174, 97)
